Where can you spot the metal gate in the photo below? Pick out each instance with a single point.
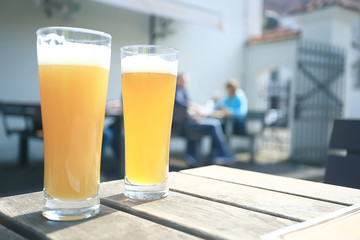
(318, 90)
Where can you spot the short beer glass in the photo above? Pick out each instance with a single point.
(73, 67)
(148, 87)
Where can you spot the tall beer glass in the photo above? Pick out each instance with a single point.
(148, 85)
(73, 77)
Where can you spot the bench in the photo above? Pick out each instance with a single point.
(30, 115)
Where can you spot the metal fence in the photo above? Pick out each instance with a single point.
(318, 89)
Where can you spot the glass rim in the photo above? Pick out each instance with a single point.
(73, 29)
(173, 51)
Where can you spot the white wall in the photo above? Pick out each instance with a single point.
(260, 58)
(315, 25)
(19, 20)
(253, 17)
(342, 35)
(209, 55)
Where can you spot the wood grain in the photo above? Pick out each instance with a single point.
(210, 202)
(203, 218)
(24, 211)
(274, 203)
(314, 190)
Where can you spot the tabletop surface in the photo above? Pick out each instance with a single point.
(210, 202)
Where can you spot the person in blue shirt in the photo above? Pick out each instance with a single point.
(204, 126)
(235, 105)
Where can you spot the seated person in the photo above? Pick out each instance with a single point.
(235, 105)
(112, 132)
(195, 123)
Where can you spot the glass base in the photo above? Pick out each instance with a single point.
(145, 192)
(66, 210)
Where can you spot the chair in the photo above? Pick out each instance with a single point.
(179, 127)
(31, 115)
(254, 125)
(343, 170)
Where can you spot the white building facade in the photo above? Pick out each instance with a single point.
(319, 41)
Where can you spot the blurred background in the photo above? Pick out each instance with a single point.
(298, 61)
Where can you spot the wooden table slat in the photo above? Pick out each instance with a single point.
(288, 206)
(314, 190)
(25, 211)
(211, 202)
(191, 214)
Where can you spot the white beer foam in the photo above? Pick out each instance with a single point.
(148, 64)
(74, 54)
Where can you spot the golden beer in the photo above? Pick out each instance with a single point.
(148, 105)
(73, 108)
(73, 65)
(148, 86)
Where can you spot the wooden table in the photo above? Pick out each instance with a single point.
(210, 202)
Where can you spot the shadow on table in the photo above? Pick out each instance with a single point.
(15, 180)
(20, 223)
(120, 202)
